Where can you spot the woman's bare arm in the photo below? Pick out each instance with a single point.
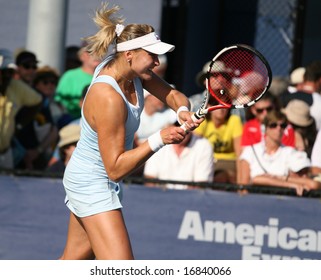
(106, 113)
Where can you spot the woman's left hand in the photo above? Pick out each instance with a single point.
(185, 117)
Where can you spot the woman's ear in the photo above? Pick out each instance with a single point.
(129, 56)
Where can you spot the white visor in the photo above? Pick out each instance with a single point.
(149, 42)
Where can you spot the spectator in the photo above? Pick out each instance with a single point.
(315, 157)
(308, 91)
(73, 81)
(14, 94)
(46, 81)
(81, 101)
(39, 137)
(223, 130)
(298, 115)
(72, 60)
(271, 163)
(296, 79)
(254, 129)
(68, 138)
(56, 154)
(27, 64)
(197, 99)
(278, 86)
(190, 161)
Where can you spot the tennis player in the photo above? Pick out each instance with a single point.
(110, 116)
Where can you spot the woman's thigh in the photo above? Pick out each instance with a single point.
(77, 246)
(108, 235)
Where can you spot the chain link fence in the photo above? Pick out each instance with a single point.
(276, 33)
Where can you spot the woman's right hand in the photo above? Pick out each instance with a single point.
(172, 135)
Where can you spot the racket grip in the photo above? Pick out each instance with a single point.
(194, 118)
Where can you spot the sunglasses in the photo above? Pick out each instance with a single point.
(260, 110)
(29, 66)
(275, 125)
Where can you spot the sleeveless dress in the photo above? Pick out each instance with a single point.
(88, 188)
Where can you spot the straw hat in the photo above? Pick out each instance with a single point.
(298, 113)
(69, 134)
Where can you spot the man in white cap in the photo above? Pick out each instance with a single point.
(296, 79)
(197, 99)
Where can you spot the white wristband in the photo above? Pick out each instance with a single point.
(181, 109)
(155, 141)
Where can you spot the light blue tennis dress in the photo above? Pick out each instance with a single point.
(88, 188)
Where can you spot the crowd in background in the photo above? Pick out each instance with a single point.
(37, 102)
(275, 142)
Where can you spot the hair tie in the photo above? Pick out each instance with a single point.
(119, 29)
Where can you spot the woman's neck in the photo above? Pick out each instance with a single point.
(217, 122)
(121, 73)
(124, 82)
(271, 145)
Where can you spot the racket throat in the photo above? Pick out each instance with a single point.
(200, 113)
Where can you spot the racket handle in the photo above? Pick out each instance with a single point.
(194, 118)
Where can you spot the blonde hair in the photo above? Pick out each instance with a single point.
(107, 19)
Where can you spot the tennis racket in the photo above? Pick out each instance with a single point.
(237, 77)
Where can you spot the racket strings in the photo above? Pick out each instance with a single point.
(237, 77)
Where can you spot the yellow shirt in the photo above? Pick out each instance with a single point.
(222, 137)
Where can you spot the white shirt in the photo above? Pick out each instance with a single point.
(194, 164)
(315, 110)
(316, 151)
(285, 159)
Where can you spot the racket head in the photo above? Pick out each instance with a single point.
(237, 77)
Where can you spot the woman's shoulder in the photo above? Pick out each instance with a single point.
(250, 150)
(104, 79)
(257, 147)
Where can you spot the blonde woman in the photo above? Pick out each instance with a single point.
(110, 116)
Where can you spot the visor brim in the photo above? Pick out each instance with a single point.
(159, 48)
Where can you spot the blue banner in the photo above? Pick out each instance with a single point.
(196, 224)
(166, 224)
